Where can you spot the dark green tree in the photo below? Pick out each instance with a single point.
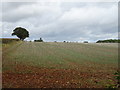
(109, 41)
(41, 40)
(21, 33)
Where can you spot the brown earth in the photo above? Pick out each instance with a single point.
(33, 77)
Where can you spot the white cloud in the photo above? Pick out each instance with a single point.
(91, 15)
(63, 21)
(30, 10)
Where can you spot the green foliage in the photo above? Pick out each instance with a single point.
(110, 86)
(117, 77)
(21, 33)
(109, 41)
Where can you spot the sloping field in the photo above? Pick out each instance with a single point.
(59, 65)
(8, 40)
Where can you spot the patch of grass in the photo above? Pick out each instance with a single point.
(62, 54)
(8, 40)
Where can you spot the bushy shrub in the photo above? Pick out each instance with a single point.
(109, 41)
(85, 41)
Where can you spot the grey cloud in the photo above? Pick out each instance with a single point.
(67, 21)
(33, 10)
(9, 6)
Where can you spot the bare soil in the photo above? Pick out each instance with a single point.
(21, 77)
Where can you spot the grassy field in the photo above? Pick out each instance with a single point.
(59, 65)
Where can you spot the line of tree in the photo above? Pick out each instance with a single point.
(109, 41)
(38, 40)
(22, 33)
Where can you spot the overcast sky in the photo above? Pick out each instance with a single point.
(59, 21)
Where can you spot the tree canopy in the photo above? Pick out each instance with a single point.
(21, 33)
(109, 41)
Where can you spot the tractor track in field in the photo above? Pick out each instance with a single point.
(5, 51)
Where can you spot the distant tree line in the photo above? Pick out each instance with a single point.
(109, 41)
(85, 41)
(40, 40)
(22, 33)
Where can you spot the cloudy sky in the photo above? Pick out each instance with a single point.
(59, 21)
